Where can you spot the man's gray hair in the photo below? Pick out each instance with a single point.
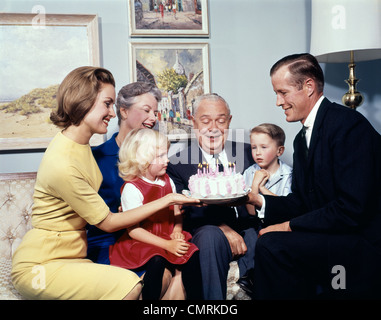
(209, 96)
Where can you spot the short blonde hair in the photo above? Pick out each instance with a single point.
(275, 132)
(138, 150)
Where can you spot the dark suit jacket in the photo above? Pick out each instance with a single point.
(337, 190)
(184, 164)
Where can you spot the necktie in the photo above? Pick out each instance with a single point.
(218, 162)
(304, 142)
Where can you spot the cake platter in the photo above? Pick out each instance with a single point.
(217, 199)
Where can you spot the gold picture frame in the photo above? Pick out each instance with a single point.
(169, 18)
(38, 51)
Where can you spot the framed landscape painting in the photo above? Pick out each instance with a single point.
(37, 52)
(181, 72)
(168, 18)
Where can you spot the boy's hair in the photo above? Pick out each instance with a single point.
(77, 94)
(275, 132)
(127, 95)
(138, 150)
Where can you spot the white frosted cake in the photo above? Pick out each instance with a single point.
(211, 184)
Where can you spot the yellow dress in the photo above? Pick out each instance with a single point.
(50, 262)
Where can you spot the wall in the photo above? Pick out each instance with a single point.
(246, 38)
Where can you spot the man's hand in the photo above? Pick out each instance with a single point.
(285, 227)
(237, 244)
(254, 199)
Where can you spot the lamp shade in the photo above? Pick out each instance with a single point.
(341, 26)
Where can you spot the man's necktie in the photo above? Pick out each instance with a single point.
(304, 142)
(218, 162)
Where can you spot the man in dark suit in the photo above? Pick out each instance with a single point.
(222, 233)
(325, 236)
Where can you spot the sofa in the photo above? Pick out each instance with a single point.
(16, 201)
(16, 191)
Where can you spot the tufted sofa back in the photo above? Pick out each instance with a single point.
(16, 201)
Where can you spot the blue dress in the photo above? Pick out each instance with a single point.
(99, 241)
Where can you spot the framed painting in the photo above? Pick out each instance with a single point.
(181, 72)
(168, 18)
(37, 52)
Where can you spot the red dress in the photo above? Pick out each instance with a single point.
(131, 254)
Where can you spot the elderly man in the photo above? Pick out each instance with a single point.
(328, 229)
(221, 233)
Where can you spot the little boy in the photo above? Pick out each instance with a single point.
(269, 174)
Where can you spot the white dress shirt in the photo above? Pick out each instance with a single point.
(222, 158)
(310, 120)
(309, 123)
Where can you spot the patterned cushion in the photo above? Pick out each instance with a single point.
(16, 200)
(234, 291)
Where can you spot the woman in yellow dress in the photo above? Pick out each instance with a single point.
(50, 262)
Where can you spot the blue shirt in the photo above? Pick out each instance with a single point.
(107, 158)
(279, 183)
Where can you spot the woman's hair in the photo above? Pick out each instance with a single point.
(77, 94)
(127, 95)
(275, 132)
(301, 66)
(138, 150)
(208, 96)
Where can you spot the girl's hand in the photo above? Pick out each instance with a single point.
(179, 199)
(177, 235)
(177, 246)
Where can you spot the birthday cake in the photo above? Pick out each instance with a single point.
(208, 183)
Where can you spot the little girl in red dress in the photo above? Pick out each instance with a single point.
(158, 247)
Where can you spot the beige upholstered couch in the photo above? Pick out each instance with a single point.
(16, 191)
(16, 200)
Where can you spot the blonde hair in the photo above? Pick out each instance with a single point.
(138, 150)
(275, 132)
